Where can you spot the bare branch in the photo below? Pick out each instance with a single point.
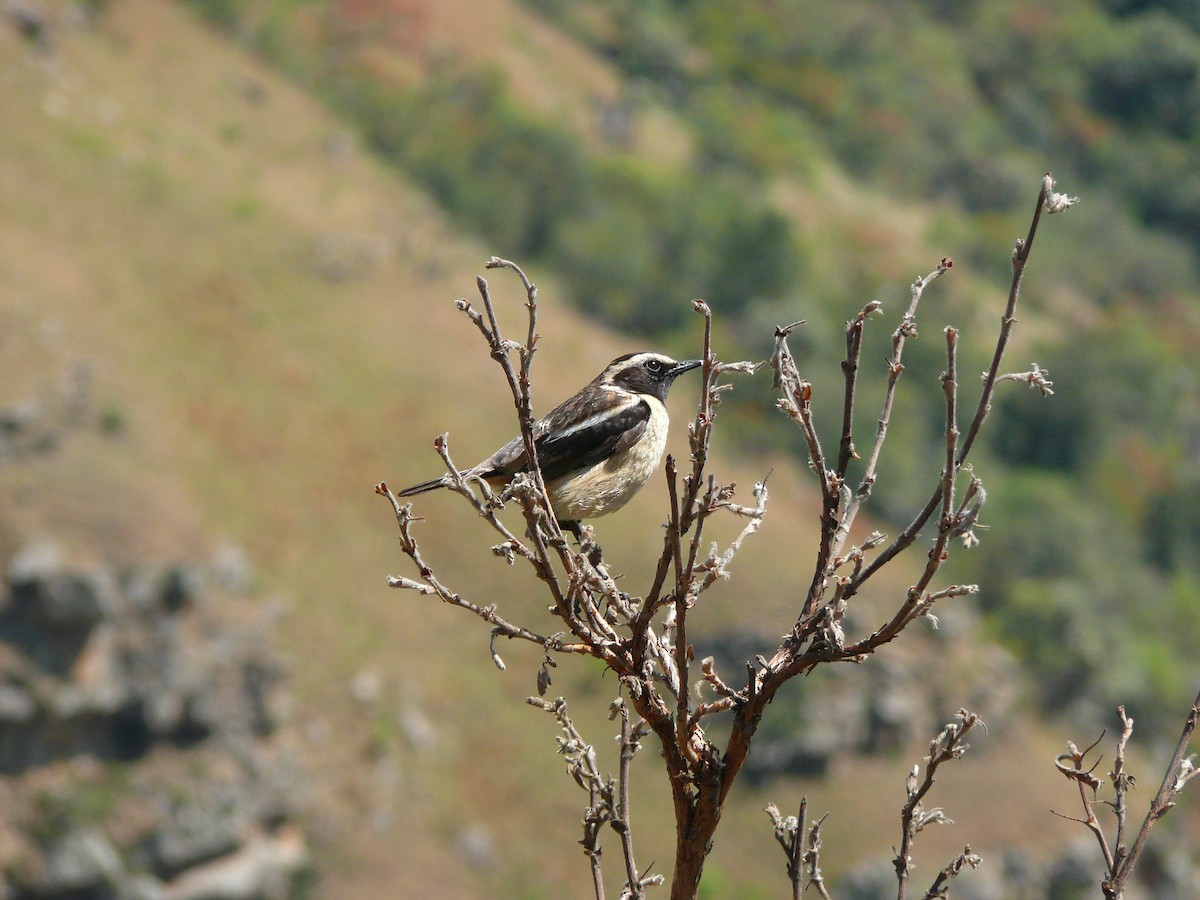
(584, 770)
(1179, 772)
(812, 858)
(1122, 783)
(1007, 321)
(1036, 378)
(1057, 203)
(789, 832)
(399, 581)
(710, 676)
(717, 564)
(1079, 772)
(608, 800)
(906, 329)
(914, 817)
(941, 886)
(801, 846)
(433, 585)
(854, 334)
(630, 738)
(796, 401)
(1119, 862)
(519, 386)
(646, 641)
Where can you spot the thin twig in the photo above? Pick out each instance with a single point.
(906, 329)
(432, 585)
(1007, 321)
(1122, 783)
(801, 846)
(946, 523)
(813, 857)
(1086, 782)
(630, 737)
(789, 832)
(854, 336)
(913, 817)
(1179, 772)
(940, 888)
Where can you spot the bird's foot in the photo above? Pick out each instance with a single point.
(590, 549)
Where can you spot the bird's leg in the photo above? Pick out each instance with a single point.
(574, 526)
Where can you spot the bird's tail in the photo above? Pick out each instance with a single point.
(424, 486)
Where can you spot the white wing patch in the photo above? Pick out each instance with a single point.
(609, 486)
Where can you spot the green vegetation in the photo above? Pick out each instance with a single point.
(243, 393)
(622, 235)
(958, 107)
(82, 802)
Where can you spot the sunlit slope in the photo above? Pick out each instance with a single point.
(269, 315)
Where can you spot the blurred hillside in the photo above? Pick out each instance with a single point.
(785, 160)
(252, 236)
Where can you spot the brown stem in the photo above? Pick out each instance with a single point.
(1159, 806)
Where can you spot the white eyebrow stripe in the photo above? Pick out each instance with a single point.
(638, 358)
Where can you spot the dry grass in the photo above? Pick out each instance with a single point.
(161, 196)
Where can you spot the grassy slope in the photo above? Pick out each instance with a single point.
(160, 198)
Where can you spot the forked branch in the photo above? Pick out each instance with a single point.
(1119, 860)
(646, 640)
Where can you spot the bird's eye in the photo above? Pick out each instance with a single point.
(653, 366)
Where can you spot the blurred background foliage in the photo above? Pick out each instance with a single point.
(1093, 574)
(247, 220)
(958, 103)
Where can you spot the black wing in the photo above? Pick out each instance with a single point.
(565, 450)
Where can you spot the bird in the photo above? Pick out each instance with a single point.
(595, 449)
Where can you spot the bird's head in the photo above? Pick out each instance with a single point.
(646, 373)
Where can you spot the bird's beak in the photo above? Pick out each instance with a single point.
(680, 367)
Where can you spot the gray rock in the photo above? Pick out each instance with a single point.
(231, 568)
(78, 601)
(98, 685)
(984, 883)
(869, 882)
(153, 590)
(475, 843)
(1169, 867)
(263, 869)
(96, 667)
(84, 860)
(52, 613)
(1075, 872)
(366, 687)
(143, 887)
(259, 679)
(896, 707)
(1024, 876)
(37, 560)
(196, 833)
(16, 704)
(145, 587)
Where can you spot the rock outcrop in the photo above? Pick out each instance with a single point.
(140, 745)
